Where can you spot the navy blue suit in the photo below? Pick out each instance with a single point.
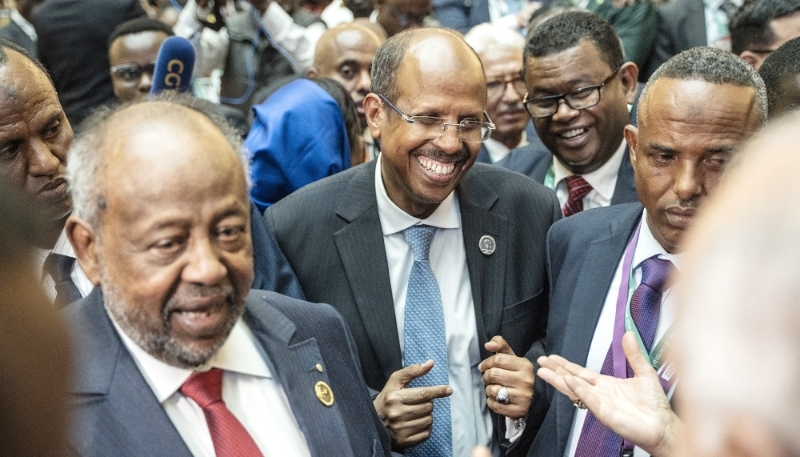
(583, 252)
(114, 411)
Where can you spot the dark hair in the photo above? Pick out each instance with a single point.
(346, 105)
(711, 65)
(785, 61)
(750, 26)
(5, 44)
(555, 7)
(564, 31)
(139, 25)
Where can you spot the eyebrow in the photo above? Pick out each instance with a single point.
(662, 148)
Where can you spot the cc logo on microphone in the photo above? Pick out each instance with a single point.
(174, 69)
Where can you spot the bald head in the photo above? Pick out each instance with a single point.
(738, 303)
(345, 54)
(161, 226)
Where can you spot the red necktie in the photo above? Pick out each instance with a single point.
(228, 434)
(577, 188)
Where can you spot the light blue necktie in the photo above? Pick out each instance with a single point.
(424, 338)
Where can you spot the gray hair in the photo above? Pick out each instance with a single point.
(487, 37)
(711, 65)
(86, 159)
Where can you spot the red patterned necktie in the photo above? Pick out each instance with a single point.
(577, 188)
(228, 434)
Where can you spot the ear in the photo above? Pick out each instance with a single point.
(375, 114)
(750, 57)
(632, 138)
(629, 76)
(312, 73)
(84, 241)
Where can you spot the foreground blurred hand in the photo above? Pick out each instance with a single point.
(634, 408)
(481, 451)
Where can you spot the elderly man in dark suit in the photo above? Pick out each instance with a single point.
(177, 355)
(434, 263)
(609, 266)
(579, 88)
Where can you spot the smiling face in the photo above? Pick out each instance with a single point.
(583, 140)
(34, 135)
(174, 254)
(345, 55)
(688, 132)
(505, 109)
(440, 76)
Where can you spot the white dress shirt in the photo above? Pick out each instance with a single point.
(497, 150)
(336, 14)
(248, 389)
(469, 415)
(63, 247)
(603, 180)
(646, 247)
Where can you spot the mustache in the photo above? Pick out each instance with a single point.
(438, 155)
(228, 292)
(515, 108)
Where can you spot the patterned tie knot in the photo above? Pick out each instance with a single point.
(655, 272)
(204, 387)
(419, 239)
(58, 266)
(578, 188)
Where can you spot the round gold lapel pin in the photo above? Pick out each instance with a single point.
(324, 393)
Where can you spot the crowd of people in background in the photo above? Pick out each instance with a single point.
(399, 227)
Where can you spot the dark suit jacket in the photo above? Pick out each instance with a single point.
(583, 252)
(330, 232)
(461, 15)
(14, 33)
(533, 140)
(534, 163)
(271, 269)
(116, 413)
(681, 26)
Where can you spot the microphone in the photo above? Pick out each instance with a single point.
(174, 66)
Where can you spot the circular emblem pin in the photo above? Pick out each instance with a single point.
(487, 245)
(324, 393)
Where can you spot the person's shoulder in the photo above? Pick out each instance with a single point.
(506, 182)
(320, 192)
(590, 222)
(317, 317)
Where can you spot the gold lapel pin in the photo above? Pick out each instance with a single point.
(324, 393)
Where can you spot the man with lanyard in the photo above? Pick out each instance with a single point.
(610, 267)
(579, 87)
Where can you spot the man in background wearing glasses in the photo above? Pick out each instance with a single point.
(500, 50)
(434, 263)
(132, 52)
(579, 87)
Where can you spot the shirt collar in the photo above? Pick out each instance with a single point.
(497, 150)
(394, 219)
(603, 180)
(647, 247)
(239, 353)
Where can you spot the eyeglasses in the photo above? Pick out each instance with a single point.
(131, 72)
(585, 97)
(431, 128)
(496, 88)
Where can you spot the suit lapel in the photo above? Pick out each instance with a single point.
(108, 372)
(293, 362)
(363, 254)
(695, 24)
(597, 272)
(486, 272)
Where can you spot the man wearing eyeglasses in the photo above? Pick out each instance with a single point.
(500, 50)
(132, 52)
(434, 263)
(579, 87)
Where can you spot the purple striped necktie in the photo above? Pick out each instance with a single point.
(578, 188)
(595, 439)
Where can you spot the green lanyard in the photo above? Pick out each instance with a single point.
(550, 178)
